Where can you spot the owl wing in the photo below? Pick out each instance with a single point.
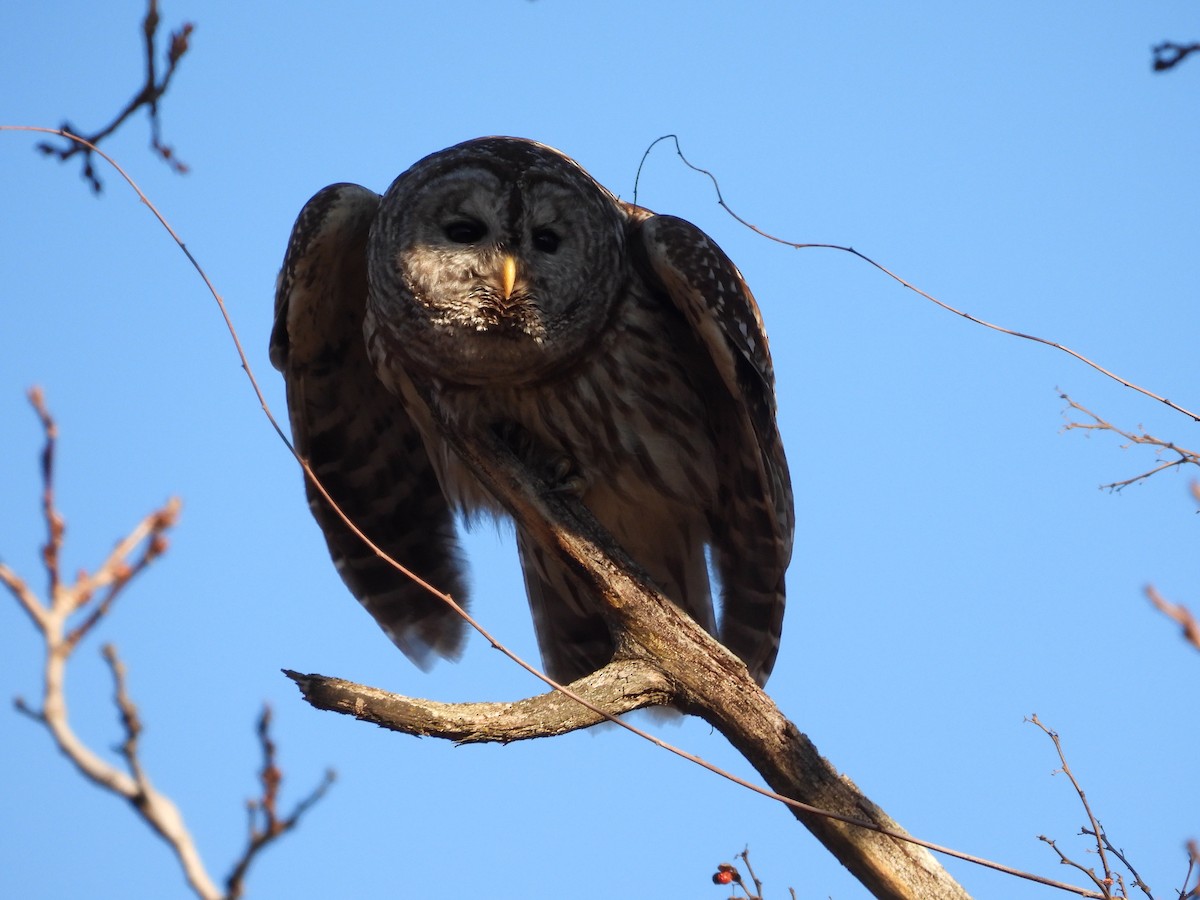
(356, 436)
(754, 521)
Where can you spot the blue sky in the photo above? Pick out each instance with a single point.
(956, 568)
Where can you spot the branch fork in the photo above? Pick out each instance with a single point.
(70, 614)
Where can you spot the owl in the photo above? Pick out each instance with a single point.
(617, 351)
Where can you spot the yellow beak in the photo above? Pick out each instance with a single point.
(510, 275)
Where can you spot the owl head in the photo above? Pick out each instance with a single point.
(496, 260)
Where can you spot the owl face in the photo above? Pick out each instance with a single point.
(495, 260)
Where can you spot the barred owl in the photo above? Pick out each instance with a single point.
(619, 349)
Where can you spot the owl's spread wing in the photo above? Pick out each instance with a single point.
(754, 524)
(356, 436)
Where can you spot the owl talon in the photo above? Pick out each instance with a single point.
(558, 469)
(565, 478)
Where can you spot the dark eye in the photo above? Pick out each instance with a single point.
(465, 231)
(546, 240)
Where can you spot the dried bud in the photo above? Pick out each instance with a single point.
(179, 43)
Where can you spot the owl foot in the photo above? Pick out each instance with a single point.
(556, 467)
(565, 478)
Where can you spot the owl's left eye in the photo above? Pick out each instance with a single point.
(546, 240)
(465, 231)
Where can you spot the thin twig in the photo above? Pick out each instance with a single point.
(1169, 54)
(745, 857)
(147, 95)
(946, 306)
(1067, 861)
(55, 527)
(265, 826)
(1193, 849)
(131, 722)
(1120, 854)
(1140, 438)
(24, 595)
(117, 572)
(1178, 613)
(1105, 883)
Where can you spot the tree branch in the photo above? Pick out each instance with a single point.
(1177, 613)
(695, 673)
(265, 826)
(622, 686)
(86, 602)
(52, 619)
(702, 677)
(1096, 832)
(1104, 884)
(1169, 54)
(1140, 438)
(799, 245)
(1193, 849)
(147, 95)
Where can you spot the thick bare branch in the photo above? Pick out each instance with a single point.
(622, 686)
(700, 676)
(707, 680)
(710, 682)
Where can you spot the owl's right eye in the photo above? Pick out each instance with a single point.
(465, 231)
